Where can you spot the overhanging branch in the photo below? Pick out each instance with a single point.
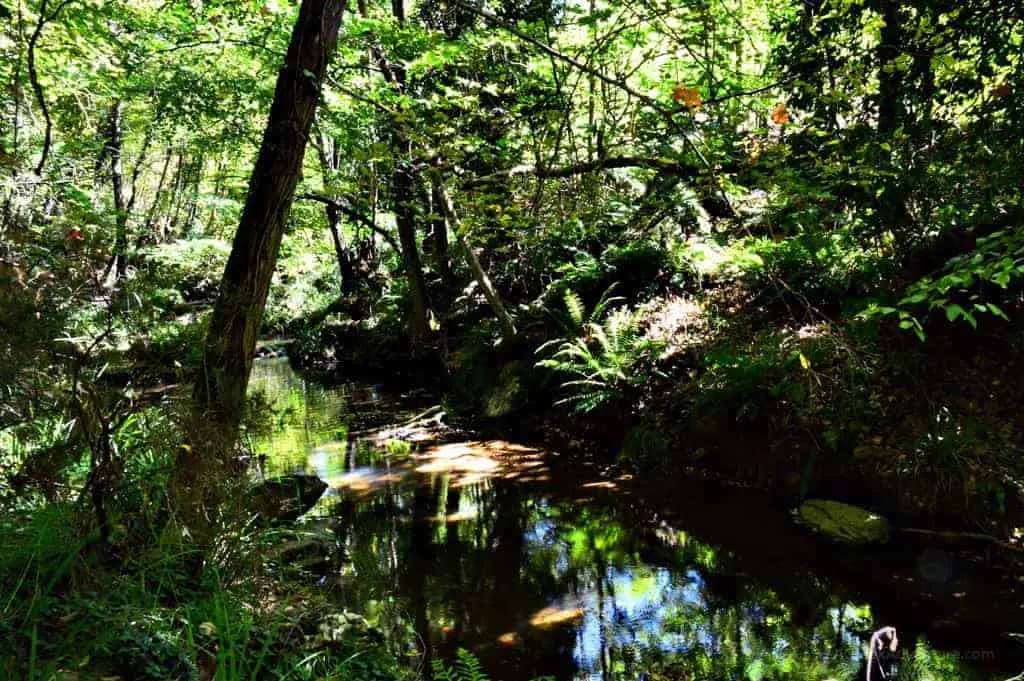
(609, 163)
(344, 206)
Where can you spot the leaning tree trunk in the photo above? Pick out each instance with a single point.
(231, 338)
(508, 326)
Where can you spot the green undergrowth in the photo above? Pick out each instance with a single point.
(71, 609)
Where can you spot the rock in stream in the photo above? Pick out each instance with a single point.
(843, 522)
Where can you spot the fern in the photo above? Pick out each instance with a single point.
(576, 318)
(466, 668)
(603, 360)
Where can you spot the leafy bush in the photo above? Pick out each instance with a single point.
(966, 286)
(193, 267)
(640, 270)
(819, 268)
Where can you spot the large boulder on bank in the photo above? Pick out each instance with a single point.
(286, 498)
(509, 391)
(843, 522)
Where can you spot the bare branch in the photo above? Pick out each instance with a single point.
(33, 76)
(344, 206)
(608, 163)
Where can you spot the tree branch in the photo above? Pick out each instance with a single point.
(344, 206)
(33, 77)
(669, 114)
(609, 163)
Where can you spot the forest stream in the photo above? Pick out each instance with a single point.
(483, 544)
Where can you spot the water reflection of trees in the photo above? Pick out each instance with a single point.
(473, 567)
(572, 583)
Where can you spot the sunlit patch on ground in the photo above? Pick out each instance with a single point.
(554, 616)
(676, 321)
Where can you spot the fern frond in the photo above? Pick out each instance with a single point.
(606, 301)
(574, 305)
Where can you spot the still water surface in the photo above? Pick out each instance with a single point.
(484, 545)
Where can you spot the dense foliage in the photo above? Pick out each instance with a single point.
(782, 241)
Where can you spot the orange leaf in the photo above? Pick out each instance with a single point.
(690, 96)
(780, 114)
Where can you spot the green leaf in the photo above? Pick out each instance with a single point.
(994, 309)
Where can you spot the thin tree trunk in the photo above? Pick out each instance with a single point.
(178, 192)
(158, 196)
(439, 237)
(231, 338)
(403, 182)
(508, 327)
(218, 180)
(402, 187)
(114, 147)
(329, 161)
(195, 180)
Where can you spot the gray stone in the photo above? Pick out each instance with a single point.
(508, 393)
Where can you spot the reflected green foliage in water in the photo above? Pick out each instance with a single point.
(579, 583)
(296, 415)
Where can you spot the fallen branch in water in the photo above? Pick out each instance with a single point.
(948, 534)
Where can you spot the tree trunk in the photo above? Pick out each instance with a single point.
(508, 327)
(439, 238)
(890, 101)
(114, 146)
(178, 192)
(231, 339)
(329, 163)
(151, 219)
(402, 187)
(892, 201)
(403, 183)
(195, 180)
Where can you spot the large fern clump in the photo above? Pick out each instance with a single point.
(605, 353)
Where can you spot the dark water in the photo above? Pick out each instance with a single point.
(488, 546)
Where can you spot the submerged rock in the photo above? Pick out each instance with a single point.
(286, 498)
(843, 522)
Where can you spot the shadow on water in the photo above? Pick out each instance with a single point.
(486, 545)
